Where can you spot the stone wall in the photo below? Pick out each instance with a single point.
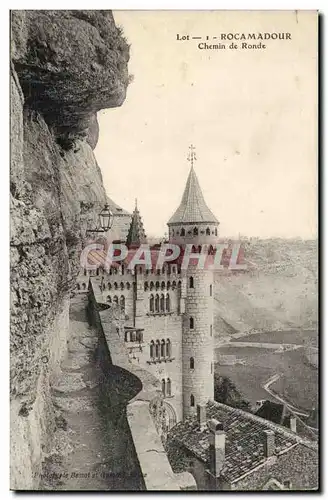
(140, 389)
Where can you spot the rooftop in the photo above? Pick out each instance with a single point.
(244, 439)
(192, 208)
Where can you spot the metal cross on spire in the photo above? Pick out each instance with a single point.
(192, 155)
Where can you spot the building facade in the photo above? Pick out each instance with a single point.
(168, 312)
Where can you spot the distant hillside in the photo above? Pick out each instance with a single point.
(279, 290)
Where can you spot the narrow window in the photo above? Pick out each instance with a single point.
(115, 300)
(151, 303)
(85, 272)
(123, 270)
(195, 231)
(208, 231)
(157, 349)
(191, 282)
(122, 302)
(163, 285)
(146, 286)
(216, 232)
(211, 330)
(152, 349)
(183, 232)
(109, 286)
(157, 285)
(78, 286)
(151, 286)
(168, 305)
(192, 363)
(128, 286)
(191, 323)
(192, 400)
(109, 300)
(163, 348)
(211, 290)
(122, 285)
(168, 348)
(168, 387)
(115, 286)
(163, 387)
(97, 271)
(211, 368)
(157, 303)
(162, 303)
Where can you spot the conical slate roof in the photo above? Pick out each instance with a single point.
(192, 207)
(136, 234)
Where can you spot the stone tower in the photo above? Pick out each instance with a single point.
(193, 223)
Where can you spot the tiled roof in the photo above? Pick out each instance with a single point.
(192, 208)
(244, 439)
(136, 234)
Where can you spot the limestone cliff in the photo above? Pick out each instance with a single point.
(65, 66)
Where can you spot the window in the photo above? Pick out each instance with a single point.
(157, 303)
(163, 285)
(168, 348)
(168, 387)
(191, 323)
(211, 330)
(146, 286)
(163, 386)
(151, 286)
(151, 303)
(216, 232)
(78, 286)
(168, 305)
(109, 300)
(157, 349)
(97, 271)
(123, 270)
(211, 290)
(115, 286)
(191, 282)
(192, 400)
(195, 231)
(128, 286)
(152, 349)
(192, 363)
(208, 231)
(122, 285)
(162, 303)
(157, 285)
(122, 302)
(163, 348)
(84, 286)
(115, 300)
(109, 286)
(183, 232)
(211, 368)
(85, 272)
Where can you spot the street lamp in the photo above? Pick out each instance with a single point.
(106, 221)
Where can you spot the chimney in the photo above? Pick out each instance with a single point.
(217, 446)
(292, 423)
(201, 416)
(269, 443)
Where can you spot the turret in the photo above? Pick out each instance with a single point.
(193, 223)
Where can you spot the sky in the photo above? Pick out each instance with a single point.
(251, 114)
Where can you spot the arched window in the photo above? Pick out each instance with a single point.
(110, 272)
(163, 387)
(211, 290)
(211, 330)
(168, 285)
(152, 349)
(151, 303)
(97, 271)
(157, 285)
(174, 285)
(162, 303)
(168, 348)
(163, 348)
(122, 269)
(168, 387)
(85, 272)
(157, 349)
(195, 231)
(109, 299)
(122, 285)
(78, 286)
(115, 299)
(157, 303)
(84, 286)
(151, 286)
(115, 286)
(122, 302)
(128, 286)
(192, 363)
(191, 323)
(163, 285)
(191, 282)
(168, 305)
(146, 286)
(192, 400)
(208, 231)
(179, 284)
(109, 286)
(183, 232)
(216, 232)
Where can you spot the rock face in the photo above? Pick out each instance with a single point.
(65, 66)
